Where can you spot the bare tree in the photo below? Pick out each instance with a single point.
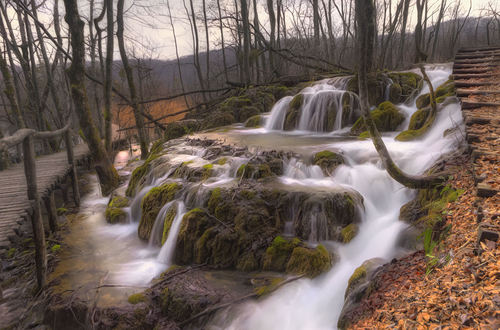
(139, 121)
(365, 31)
(108, 177)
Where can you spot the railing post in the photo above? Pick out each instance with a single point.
(36, 219)
(71, 162)
(50, 205)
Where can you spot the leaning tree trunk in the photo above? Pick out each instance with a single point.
(108, 177)
(365, 21)
(139, 121)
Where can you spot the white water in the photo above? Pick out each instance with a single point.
(316, 304)
(318, 100)
(167, 250)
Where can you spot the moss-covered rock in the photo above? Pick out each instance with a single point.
(152, 204)
(254, 171)
(180, 128)
(310, 262)
(419, 118)
(278, 253)
(386, 116)
(349, 232)
(293, 113)
(395, 92)
(409, 82)
(218, 119)
(114, 211)
(442, 92)
(254, 121)
(328, 161)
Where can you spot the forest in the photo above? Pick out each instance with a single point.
(249, 164)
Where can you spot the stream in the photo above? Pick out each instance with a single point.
(101, 253)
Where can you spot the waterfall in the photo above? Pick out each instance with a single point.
(167, 250)
(322, 109)
(136, 205)
(317, 303)
(278, 113)
(157, 231)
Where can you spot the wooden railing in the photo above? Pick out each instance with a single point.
(27, 136)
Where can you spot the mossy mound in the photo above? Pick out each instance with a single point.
(293, 112)
(114, 211)
(349, 232)
(192, 173)
(139, 174)
(418, 118)
(408, 82)
(278, 253)
(218, 119)
(309, 262)
(386, 116)
(442, 92)
(254, 121)
(254, 171)
(328, 161)
(152, 204)
(180, 128)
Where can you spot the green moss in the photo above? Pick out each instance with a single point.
(395, 92)
(115, 215)
(119, 201)
(419, 118)
(254, 121)
(218, 119)
(55, 248)
(214, 200)
(386, 116)
(167, 223)
(349, 232)
(364, 135)
(278, 254)
(207, 171)
(136, 298)
(247, 263)
(61, 211)
(412, 134)
(358, 274)
(254, 171)
(310, 262)
(327, 160)
(442, 92)
(137, 175)
(221, 161)
(11, 252)
(266, 289)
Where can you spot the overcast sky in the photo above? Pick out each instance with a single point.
(149, 31)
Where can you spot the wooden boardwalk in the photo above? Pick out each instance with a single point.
(15, 208)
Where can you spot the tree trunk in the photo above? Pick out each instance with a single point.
(139, 121)
(222, 41)
(365, 24)
(272, 37)
(108, 77)
(108, 177)
(246, 41)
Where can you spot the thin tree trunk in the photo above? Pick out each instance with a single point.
(208, 44)
(139, 121)
(246, 41)
(107, 174)
(222, 41)
(108, 80)
(10, 93)
(365, 29)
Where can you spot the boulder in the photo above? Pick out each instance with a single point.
(254, 121)
(293, 113)
(387, 117)
(114, 211)
(328, 161)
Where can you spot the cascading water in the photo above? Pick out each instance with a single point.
(167, 250)
(322, 108)
(303, 304)
(316, 304)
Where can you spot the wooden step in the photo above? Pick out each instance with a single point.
(466, 92)
(474, 105)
